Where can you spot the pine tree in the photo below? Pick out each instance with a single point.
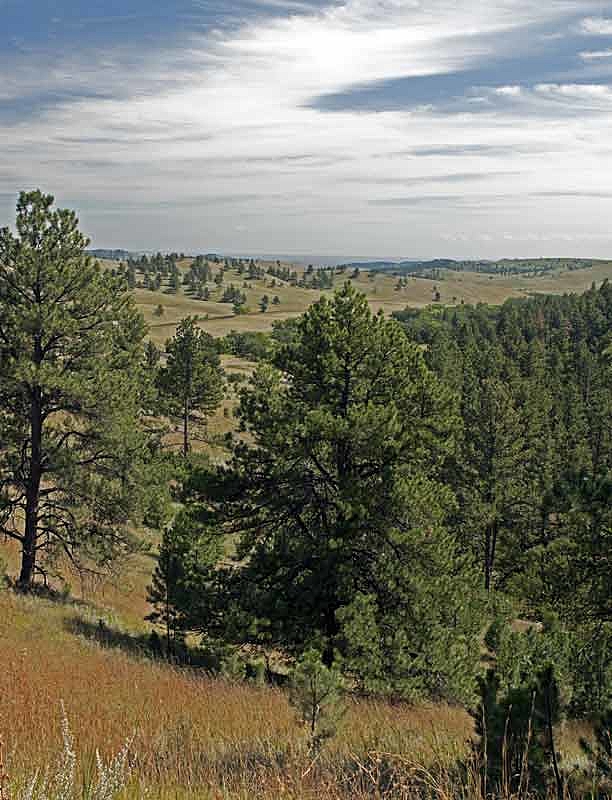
(192, 379)
(70, 369)
(152, 355)
(185, 567)
(517, 746)
(316, 692)
(489, 472)
(342, 514)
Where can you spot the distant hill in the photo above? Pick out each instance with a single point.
(506, 266)
(112, 255)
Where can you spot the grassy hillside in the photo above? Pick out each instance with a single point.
(381, 289)
(192, 735)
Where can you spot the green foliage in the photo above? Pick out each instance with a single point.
(180, 585)
(522, 655)
(532, 469)
(285, 331)
(591, 669)
(233, 295)
(192, 379)
(246, 344)
(316, 692)
(152, 355)
(70, 395)
(532, 473)
(516, 745)
(339, 502)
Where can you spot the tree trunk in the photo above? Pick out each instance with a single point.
(30, 535)
(551, 737)
(490, 548)
(487, 558)
(330, 624)
(186, 428)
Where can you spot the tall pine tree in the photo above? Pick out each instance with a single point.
(341, 511)
(70, 360)
(191, 381)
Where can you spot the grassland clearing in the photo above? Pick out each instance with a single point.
(381, 289)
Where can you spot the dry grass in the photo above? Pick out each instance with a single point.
(194, 736)
(454, 287)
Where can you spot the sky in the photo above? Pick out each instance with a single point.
(372, 128)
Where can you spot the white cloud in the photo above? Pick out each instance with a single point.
(220, 147)
(596, 26)
(593, 55)
(508, 91)
(578, 94)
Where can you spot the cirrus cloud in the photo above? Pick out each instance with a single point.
(217, 140)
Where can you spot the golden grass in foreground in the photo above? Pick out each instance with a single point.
(194, 736)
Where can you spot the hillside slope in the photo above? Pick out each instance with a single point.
(191, 735)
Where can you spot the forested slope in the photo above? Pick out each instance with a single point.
(532, 469)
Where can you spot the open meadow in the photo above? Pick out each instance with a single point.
(381, 289)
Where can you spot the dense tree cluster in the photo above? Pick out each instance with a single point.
(199, 274)
(399, 493)
(532, 472)
(434, 269)
(283, 273)
(232, 294)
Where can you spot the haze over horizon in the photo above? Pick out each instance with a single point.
(431, 128)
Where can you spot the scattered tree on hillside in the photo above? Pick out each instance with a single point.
(191, 381)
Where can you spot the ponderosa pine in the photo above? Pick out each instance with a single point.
(340, 509)
(70, 359)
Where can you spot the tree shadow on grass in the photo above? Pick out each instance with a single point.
(110, 637)
(143, 645)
